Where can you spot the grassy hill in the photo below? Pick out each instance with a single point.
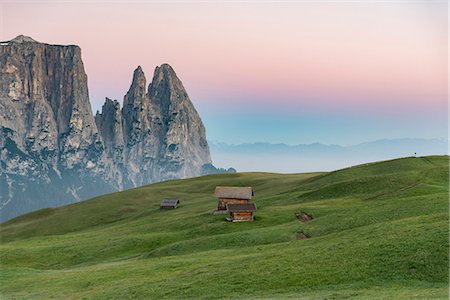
(379, 231)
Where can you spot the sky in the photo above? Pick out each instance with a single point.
(294, 72)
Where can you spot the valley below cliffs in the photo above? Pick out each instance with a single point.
(54, 151)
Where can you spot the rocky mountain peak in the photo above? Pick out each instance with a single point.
(136, 93)
(166, 89)
(164, 70)
(22, 39)
(53, 151)
(164, 75)
(114, 103)
(138, 84)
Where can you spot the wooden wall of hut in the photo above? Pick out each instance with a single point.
(224, 201)
(242, 216)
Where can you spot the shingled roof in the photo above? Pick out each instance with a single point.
(170, 202)
(247, 207)
(234, 192)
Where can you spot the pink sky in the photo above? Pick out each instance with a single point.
(384, 58)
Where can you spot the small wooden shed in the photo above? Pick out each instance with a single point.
(232, 195)
(241, 212)
(169, 203)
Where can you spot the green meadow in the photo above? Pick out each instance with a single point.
(379, 231)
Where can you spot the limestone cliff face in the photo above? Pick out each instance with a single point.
(45, 98)
(139, 131)
(53, 151)
(180, 126)
(48, 133)
(163, 135)
(109, 123)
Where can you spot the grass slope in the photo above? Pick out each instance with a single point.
(379, 231)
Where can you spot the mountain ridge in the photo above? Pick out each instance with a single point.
(316, 157)
(50, 138)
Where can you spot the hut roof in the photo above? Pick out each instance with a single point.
(234, 192)
(170, 202)
(241, 207)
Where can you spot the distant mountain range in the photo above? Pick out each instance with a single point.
(282, 158)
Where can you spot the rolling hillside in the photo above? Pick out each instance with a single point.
(378, 231)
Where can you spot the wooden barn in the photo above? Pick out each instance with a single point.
(169, 203)
(241, 212)
(232, 195)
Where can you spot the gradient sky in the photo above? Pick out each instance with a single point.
(290, 72)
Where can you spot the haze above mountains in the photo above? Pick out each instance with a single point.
(316, 157)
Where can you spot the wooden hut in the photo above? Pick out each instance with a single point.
(241, 212)
(169, 203)
(232, 195)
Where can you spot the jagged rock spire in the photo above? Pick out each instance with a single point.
(109, 124)
(137, 88)
(166, 87)
(134, 109)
